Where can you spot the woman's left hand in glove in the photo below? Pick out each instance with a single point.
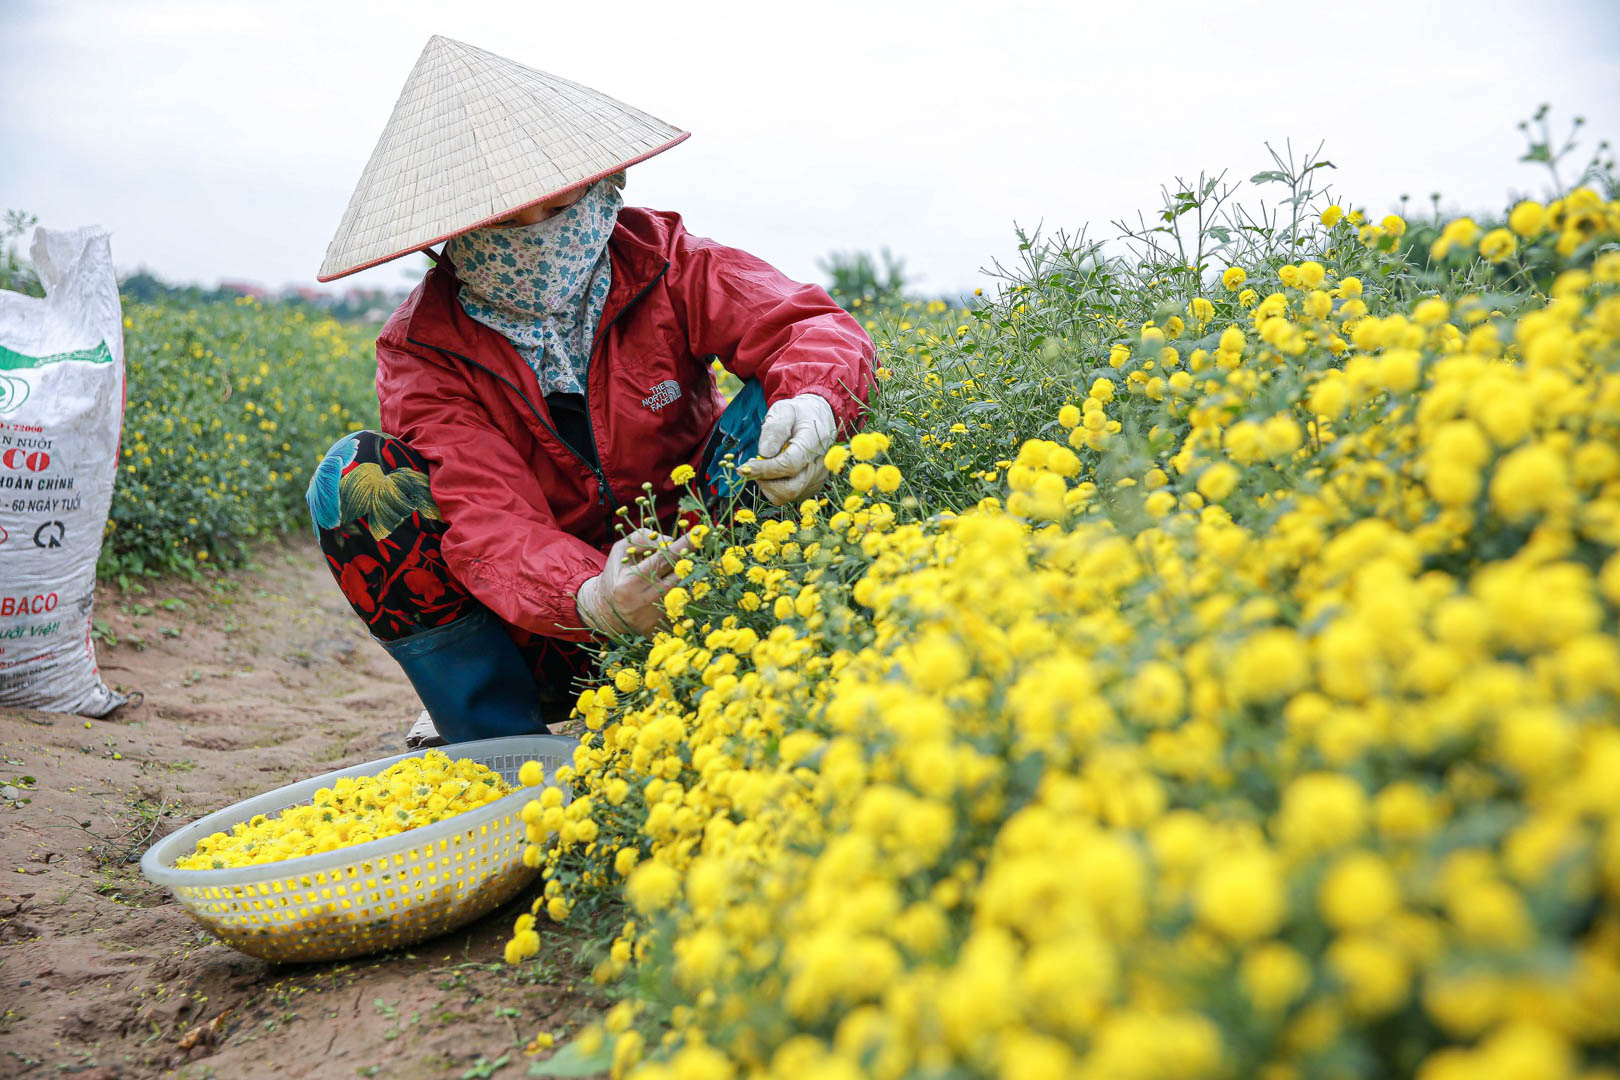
(793, 441)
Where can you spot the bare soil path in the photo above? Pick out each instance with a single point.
(251, 680)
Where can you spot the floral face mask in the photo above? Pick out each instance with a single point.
(543, 286)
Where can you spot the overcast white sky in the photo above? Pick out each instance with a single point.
(222, 139)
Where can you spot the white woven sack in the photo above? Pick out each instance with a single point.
(61, 415)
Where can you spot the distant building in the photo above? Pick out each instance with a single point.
(308, 294)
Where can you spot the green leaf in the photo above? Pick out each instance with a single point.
(482, 1068)
(572, 1061)
(1270, 176)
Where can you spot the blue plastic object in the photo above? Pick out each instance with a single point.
(471, 678)
(736, 434)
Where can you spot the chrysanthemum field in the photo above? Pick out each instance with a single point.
(229, 405)
(1206, 663)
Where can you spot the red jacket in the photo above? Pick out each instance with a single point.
(528, 519)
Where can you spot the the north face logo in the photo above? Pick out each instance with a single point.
(663, 394)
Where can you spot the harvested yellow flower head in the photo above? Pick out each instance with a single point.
(354, 810)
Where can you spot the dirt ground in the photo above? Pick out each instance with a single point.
(251, 680)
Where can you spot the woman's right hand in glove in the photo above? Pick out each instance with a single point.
(627, 596)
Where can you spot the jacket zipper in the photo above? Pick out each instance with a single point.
(604, 490)
(601, 333)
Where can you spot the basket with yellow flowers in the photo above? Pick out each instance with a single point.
(366, 858)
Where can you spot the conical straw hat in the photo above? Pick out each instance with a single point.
(473, 138)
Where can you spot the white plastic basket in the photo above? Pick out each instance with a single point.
(383, 894)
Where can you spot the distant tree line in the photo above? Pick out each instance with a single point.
(855, 279)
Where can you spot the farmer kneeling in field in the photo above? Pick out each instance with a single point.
(553, 363)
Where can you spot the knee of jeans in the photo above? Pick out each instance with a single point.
(322, 493)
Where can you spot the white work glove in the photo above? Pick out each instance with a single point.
(626, 597)
(793, 440)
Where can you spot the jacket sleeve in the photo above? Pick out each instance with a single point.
(502, 541)
(763, 325)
